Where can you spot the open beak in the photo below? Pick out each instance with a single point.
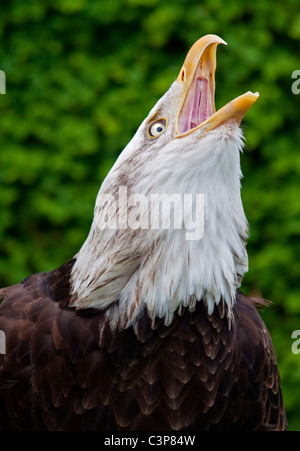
(197, 107)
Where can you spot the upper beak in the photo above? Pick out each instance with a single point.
(197, 105)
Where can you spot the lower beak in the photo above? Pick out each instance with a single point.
(197, 106)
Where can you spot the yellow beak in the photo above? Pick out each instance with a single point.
(197, 106)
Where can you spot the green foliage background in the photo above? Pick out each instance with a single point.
(81, 76)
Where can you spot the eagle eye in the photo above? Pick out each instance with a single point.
(156, 128)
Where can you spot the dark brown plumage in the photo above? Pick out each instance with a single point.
(65, 370)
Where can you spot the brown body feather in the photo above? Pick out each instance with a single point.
(66, 370)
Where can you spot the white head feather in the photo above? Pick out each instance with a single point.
(125, 270)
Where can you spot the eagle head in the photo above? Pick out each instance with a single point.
(169, 229)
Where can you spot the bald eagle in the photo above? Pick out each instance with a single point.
(145, 327)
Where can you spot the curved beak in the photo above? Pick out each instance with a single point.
(197, 105)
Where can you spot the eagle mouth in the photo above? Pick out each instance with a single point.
(197, 104)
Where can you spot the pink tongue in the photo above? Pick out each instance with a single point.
(196, 108)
